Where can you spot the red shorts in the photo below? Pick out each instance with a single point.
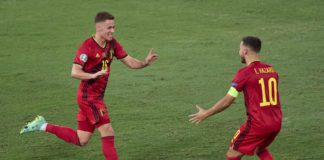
(246, 140)
(92, 115)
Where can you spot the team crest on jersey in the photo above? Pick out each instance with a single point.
(83, 57)
(108, 54)
(102, 112)
(97, 55)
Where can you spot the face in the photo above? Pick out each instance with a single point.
(106, 29)
(243, 51)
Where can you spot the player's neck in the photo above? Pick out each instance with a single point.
(100, 41)
(251, 58)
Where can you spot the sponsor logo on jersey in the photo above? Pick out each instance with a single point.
(102, 112)
(83, 57)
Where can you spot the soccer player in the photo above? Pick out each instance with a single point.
(259, 83)
(91, 65)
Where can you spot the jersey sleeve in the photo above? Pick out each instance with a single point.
(239, 80)
(120, 53)
(81, 56)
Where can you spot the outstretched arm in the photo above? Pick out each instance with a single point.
(137, 64)
(78, 73)
(202, 114)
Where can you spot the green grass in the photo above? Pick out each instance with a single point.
(197, 41)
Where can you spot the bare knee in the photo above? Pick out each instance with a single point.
(84, 137)
(83, 142)
(233, 153)
(106, 130)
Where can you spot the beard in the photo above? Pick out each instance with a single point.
(243, 60)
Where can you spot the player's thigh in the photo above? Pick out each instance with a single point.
(84, 137)
(106, 130)
(268, 139)
(243, 142)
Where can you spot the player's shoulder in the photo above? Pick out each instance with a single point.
(241, 72)
(249, 68)
(88, 42)
(243, 69)
(87, 45)
(267, 65)
(258, 64)
(264, 64)
(115, 41)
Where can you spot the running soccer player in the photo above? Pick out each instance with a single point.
(259, 83)
(91, 65)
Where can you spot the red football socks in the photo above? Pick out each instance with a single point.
(65, 133)
(233, 158)
(108, 148)
(265, 155)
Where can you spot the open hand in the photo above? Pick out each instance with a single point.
(199, 116)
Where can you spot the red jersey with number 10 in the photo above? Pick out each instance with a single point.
(259, 83)
(94, 58)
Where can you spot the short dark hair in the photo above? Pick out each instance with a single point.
(253, 42)
(102, 16)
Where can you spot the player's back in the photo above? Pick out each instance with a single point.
(262, 97)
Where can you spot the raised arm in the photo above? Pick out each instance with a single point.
(137, 64)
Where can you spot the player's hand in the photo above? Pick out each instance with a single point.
(151, 57)
(199, 116)
(100, 73)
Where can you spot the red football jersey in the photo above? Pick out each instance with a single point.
(93, 58)
(259, 83)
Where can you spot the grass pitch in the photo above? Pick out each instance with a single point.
(198, 42)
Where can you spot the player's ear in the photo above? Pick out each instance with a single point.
(245, 51)
(98, 27)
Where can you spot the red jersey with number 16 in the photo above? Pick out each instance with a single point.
(259, 83)
(94, 58)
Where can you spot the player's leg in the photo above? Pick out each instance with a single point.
(85, 130)
(79, 137)
(233, 154)
(262, 151)
(108, 142)
(106, 130)
(264, 154)
(96, 114)
(84, 137)
(100, 118)
(242, 143)
(65, 133)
